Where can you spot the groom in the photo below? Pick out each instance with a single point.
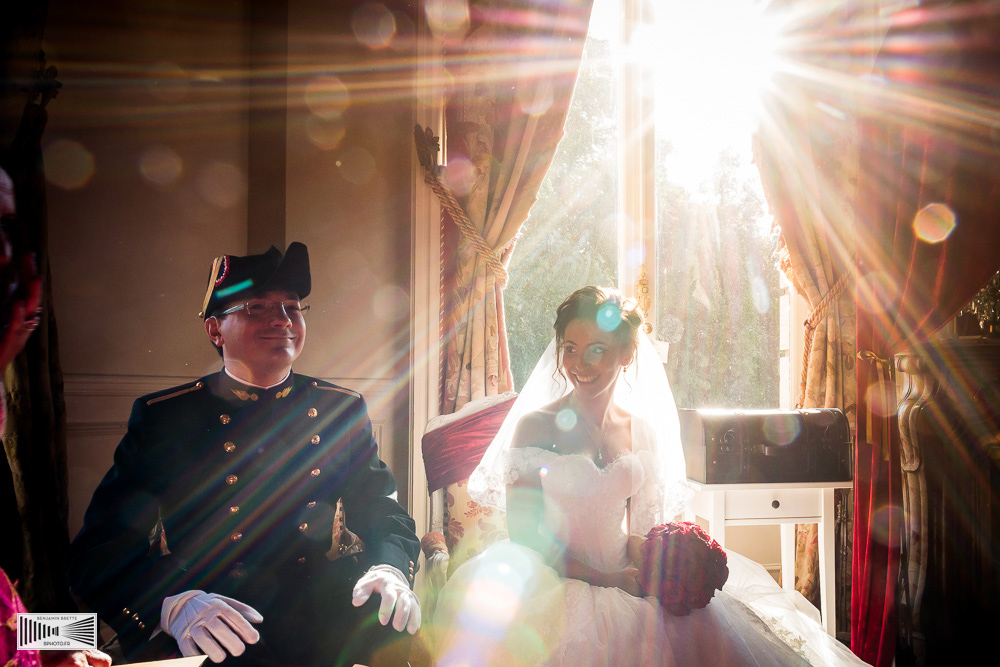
(217, 529)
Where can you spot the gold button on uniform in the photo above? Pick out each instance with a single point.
(314, 472)
(234, 509)
(302, 560)
(229, 447)
(236, 537)
(303, 527)
(232, 479)
(312, 412)
(311, 504)
(315, 440)
(225, 419)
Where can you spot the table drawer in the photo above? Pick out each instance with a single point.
(773, 504)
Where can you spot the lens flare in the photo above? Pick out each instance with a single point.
(566, 420)
(934, 223)
(325, 134)
(447, 19)
(609, 317)
(782, 430)
(885, 522)
(373, 25)
(460, 176)
(535, 99)
(356, 165)
(327, 97)
(878, 402)
(160, 165)
(68, 164)
(391, 304)
(221, 184)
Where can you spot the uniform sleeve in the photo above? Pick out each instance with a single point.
(370, 504)
(112, 566)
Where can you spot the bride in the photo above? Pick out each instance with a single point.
(588, 460)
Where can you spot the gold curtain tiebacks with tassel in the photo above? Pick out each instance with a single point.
(810, 330)
(428, 147)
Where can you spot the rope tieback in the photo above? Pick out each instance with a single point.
(427, 152)
(810, 325)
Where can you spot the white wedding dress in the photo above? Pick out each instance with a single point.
(506, 607)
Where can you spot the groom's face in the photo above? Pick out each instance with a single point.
(592, 358)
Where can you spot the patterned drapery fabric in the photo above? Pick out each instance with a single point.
(505, 119)
(812, 200)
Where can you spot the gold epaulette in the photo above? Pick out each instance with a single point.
(340, 389)
(195, 387)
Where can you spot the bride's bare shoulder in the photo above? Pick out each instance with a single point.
(536, 428)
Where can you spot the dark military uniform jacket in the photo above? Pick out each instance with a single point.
(227, 488)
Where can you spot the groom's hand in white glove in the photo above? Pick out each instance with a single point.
(390, 583)
(208, 623)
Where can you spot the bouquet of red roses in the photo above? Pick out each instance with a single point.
(682, 566)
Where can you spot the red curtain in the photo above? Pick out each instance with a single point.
(928, 236)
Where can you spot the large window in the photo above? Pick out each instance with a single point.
(571, 236)
(654, 177)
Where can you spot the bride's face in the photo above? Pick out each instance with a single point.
(592, 358)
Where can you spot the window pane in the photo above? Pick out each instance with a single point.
(717, 287)
(571, 237)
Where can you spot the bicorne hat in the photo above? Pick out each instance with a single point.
(234, 277)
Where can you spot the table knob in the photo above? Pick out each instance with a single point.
(775, 504)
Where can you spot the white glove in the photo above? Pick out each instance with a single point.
(209, 623)
(390, 583)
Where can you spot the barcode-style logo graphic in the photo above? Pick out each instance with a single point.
(56, 631)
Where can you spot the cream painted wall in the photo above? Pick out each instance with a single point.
(131, 250)
(349, 183)
(145, 156)
(144, 89)
(147, 159)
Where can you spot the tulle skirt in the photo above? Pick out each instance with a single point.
(506, 607)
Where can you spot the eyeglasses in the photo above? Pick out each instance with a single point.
(261, 308)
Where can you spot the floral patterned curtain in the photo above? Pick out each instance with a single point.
(812, 200)
(807, 154)
(514, 75)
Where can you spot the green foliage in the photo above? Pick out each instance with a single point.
(570, 237)
(718, 290)
(713, 257)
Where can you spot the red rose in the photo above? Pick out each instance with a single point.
(682, 566)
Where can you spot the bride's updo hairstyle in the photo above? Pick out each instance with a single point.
(608, 308)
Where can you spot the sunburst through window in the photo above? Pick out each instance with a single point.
(700, 67)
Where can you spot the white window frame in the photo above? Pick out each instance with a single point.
(425, 272)
(636, 207)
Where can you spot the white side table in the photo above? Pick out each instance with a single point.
(786, 504)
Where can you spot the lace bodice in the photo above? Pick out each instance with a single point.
(585, 506)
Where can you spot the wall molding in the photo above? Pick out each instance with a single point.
(98, 404)
(134, 386)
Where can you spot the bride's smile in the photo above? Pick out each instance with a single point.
(592, 358)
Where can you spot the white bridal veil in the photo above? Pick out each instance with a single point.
(642, 390)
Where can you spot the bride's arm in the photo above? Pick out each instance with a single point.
(525, 502)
